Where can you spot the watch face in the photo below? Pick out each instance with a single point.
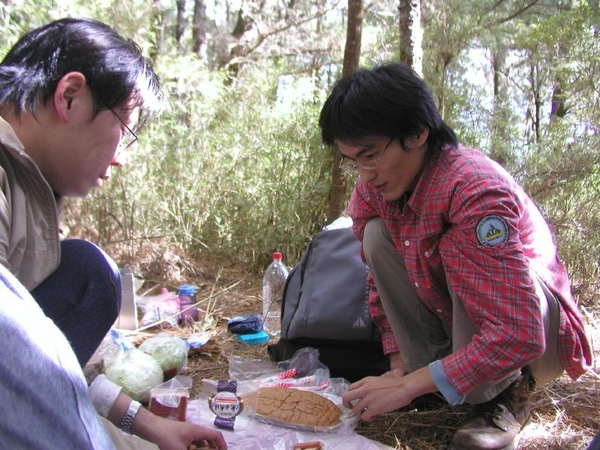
(225, 404)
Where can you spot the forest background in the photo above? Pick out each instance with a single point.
(234, 168)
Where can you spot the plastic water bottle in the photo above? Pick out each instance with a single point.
(273, 284)
(187, 297)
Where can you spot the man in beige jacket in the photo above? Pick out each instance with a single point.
(71, 95)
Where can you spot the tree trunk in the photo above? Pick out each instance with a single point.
(180, 27)
(536, 107)
(353, 37)
(501, 115)
(559, 105)
(242, 25)
(411, 34)
(199, 29)
(156, 25)
(338, 195)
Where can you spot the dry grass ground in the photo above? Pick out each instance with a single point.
(566, 413)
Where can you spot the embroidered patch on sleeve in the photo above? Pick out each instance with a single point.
(492, 231)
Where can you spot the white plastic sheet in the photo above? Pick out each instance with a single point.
(250, 434)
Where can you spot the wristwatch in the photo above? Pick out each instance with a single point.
(226, 404)
(127, 419)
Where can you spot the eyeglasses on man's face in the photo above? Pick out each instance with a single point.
(370, 160)
(128, 137)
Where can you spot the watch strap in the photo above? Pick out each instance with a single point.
(127, 419)
(223, 422)
(226, 386)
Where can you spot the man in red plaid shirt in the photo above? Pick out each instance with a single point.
(466, 285)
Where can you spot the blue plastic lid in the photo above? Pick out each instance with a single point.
(253, 338)
(186, 289)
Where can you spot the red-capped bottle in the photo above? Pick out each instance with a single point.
(273, 284)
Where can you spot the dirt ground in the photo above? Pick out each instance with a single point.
(566, 414)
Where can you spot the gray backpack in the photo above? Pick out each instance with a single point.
(326, 306)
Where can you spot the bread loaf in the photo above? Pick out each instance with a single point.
(297, 407)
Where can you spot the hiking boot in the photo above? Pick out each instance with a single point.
(497, 423)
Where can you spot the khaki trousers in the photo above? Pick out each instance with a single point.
(423, 338)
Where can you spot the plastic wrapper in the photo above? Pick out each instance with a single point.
(251, 432)
(171, 352)
(162, 308)
(305, 362)
(197, 340)
(111, 346)
(170, 399)
(135, 371)
(303, 372)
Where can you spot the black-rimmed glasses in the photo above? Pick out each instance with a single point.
(127, 139)
(348, 165)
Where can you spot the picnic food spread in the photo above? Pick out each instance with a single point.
(173, 408)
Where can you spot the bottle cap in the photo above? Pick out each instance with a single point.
(277, 255)
(186, 289)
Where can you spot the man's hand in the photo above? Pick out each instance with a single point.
(165, 433)
(174, 435)
(372, 396)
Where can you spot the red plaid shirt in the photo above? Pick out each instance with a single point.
(436, 234)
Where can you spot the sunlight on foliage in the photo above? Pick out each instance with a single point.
(234, 170)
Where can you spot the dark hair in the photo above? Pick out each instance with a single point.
(113, 66)
(388, 100)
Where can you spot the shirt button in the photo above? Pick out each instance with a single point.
(416, 284)
(439, 310)
(407, 243)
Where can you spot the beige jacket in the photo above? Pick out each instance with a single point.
(29, 233)
(29, 225)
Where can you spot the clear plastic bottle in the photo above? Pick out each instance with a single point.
(187, 297)
(273, 284)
